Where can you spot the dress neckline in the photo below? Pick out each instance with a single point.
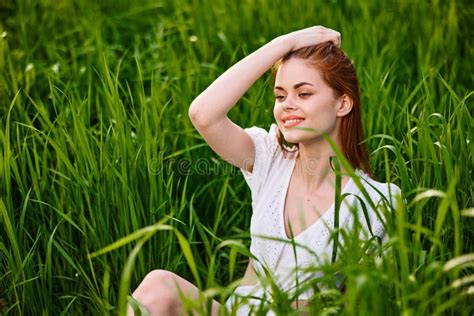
(281, 212)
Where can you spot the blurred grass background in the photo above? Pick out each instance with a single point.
(95, 144)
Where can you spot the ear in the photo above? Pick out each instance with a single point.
(344, 105)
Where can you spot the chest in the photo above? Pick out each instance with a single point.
(302, 209)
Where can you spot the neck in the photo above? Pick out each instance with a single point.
(313, 165)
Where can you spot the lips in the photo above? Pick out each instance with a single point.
(292, 120)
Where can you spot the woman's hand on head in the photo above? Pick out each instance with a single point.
(313, 36)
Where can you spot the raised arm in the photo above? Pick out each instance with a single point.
(208, 112)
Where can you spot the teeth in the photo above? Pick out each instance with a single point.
(294, 121)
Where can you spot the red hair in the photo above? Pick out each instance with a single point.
(339, 73)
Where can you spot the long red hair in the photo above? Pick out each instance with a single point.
(339, 73)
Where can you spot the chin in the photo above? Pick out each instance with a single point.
(300, 137)
(294, 137)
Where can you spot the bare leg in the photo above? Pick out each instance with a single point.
(159, 293)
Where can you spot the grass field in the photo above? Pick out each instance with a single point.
(103, 178)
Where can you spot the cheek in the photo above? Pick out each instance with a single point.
(327, 107)
(276, 112)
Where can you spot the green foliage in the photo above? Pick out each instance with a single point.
(97, 151)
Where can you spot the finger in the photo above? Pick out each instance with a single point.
(339, 40)
(335, 38)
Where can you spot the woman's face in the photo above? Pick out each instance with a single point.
(304, 100)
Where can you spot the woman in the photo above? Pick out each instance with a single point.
(316, 95)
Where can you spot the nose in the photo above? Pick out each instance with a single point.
(288, 104)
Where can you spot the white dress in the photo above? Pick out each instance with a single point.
(269, 183)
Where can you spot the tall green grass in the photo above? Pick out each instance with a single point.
(97, 152)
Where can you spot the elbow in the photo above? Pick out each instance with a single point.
(194, 115)
(198, 117)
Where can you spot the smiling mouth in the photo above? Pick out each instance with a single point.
(292, 122)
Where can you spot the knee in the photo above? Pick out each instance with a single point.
(157, 281)
(157, 288)
(159, 276)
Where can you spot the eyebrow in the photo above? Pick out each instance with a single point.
(296, 86)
